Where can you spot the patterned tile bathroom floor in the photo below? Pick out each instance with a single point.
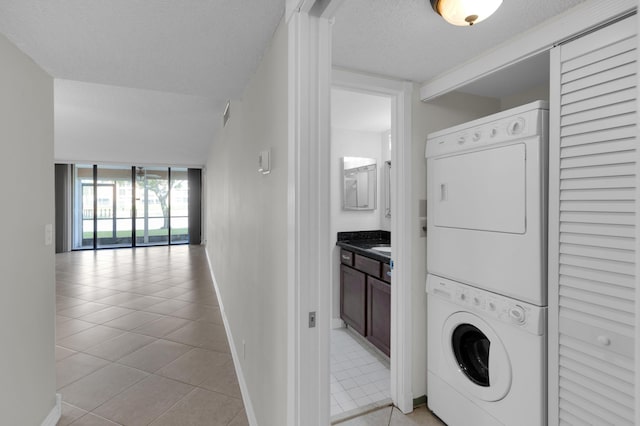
(360, 377)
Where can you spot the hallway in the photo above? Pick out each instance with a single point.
(140, 340)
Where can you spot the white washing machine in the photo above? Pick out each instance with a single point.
(486, 357)
(487, 203)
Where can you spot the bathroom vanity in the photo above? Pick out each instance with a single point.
(365, 285)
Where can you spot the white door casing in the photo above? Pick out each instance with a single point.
(308, 273)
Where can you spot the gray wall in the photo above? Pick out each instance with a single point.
(246, 229)
(27, 287)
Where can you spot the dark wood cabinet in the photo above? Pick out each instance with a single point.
(365, 297)
(353, 298)
(379, 314)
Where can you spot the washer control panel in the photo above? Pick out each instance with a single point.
(523, 122)
(520, 314)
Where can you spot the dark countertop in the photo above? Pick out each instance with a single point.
(363, 241)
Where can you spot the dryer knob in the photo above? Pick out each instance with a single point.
(516, 127)
(517, 314)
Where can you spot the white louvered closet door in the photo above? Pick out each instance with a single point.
(592, 213)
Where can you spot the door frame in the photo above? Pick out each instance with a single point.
(400, 94)
(308, 215)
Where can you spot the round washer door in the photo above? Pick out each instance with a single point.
(477, 355)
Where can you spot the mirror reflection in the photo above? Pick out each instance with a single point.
(360, 177)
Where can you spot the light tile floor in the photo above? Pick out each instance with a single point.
(391, 416)
(140, 340)
(359, 376)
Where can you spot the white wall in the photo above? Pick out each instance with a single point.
(539, 93)
(350, 143)
(27, 300)
(246, 224)
(121, 125)
(445, 111)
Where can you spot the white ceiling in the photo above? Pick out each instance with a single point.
(206, 48)
(359, 111)
(209, 49)
(406, 39)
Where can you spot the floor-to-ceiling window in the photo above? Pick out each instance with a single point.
(129, 206)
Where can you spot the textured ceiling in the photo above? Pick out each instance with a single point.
(196, 47)
(406, 39)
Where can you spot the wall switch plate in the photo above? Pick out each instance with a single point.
(423, 228)
(264, 162)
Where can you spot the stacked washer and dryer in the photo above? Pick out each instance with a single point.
(486, 261)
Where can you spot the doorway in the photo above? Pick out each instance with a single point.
(360, 134)
(399, 196)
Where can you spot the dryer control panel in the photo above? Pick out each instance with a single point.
(520, 314)
(523, 122)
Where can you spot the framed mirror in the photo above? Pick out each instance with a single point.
(360, 177)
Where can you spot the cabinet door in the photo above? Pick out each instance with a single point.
(593, 209)
(353, 298)
(379, 314)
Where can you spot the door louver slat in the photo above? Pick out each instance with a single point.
(628, 82)
(598, 148)
(604, 100)
(599, 54)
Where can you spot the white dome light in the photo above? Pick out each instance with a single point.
(465, 12)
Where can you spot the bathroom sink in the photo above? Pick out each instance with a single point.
(382, 249)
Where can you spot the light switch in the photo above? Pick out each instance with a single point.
(48, 234)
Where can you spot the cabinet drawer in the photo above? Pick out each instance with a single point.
(346, 257)
(386, 272)
(366, 265)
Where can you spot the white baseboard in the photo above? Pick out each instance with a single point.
(336, 323)
(55, 413)
(251, 415)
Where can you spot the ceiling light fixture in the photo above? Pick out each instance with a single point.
(465, 12)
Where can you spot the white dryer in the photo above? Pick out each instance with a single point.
(487, 191)
(486, 357)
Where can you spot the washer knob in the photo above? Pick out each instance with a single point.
(493, 132)
(477, 135)
(492, 306)
(517, 314)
